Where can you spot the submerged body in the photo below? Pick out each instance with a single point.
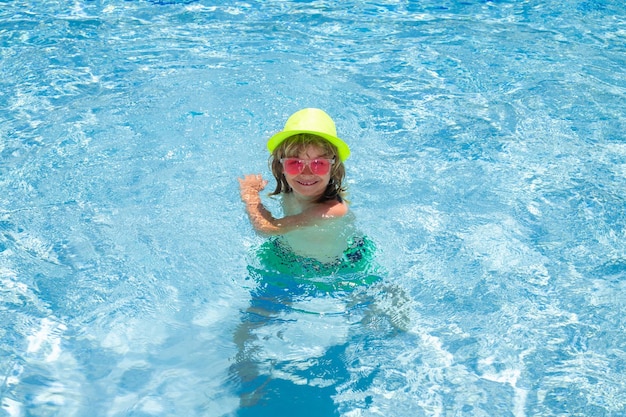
(320, 252)
(325, 238)
(302, 244)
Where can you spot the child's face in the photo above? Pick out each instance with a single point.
(307, 183)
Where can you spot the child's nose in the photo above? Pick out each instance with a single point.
(307, 170)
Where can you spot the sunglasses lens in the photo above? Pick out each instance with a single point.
(293, 166)
(320, 166)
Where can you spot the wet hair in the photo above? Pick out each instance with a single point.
(292, 147)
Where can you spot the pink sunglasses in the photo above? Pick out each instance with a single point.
(318, 166)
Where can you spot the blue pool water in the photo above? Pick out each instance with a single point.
(488, 166)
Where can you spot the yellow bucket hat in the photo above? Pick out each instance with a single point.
(314, 121)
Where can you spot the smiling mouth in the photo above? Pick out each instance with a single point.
(307, 183)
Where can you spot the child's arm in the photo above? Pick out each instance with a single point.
(264, 222)
(260, 217)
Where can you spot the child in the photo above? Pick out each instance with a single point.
(313, 251)
(316, 231)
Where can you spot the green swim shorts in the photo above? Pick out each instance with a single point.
(354, 268)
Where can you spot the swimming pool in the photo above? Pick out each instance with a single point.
(488, 165)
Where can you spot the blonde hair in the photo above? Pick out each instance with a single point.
(293, 146)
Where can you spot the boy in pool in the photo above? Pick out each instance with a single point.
(307, 161)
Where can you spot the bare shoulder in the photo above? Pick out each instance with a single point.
(332, 209)
(311, 214)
